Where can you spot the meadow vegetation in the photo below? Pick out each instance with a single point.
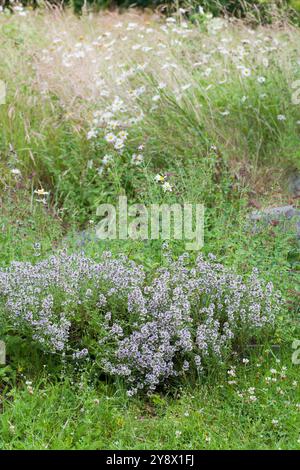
(130, 344)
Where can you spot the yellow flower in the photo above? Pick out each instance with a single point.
(41, 192)
(159, 178)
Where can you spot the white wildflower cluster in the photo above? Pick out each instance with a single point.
(111, 126)
(121, 78)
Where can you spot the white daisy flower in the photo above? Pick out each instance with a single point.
(119, 144)
(110, 138)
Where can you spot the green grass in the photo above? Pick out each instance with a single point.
(72, 413)
(45, 403)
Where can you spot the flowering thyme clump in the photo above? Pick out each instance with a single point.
(50, 299)
(144, 331)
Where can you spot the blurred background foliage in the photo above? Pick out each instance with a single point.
(262, 9)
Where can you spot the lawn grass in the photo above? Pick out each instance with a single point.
(73, 413)
(218, 142)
